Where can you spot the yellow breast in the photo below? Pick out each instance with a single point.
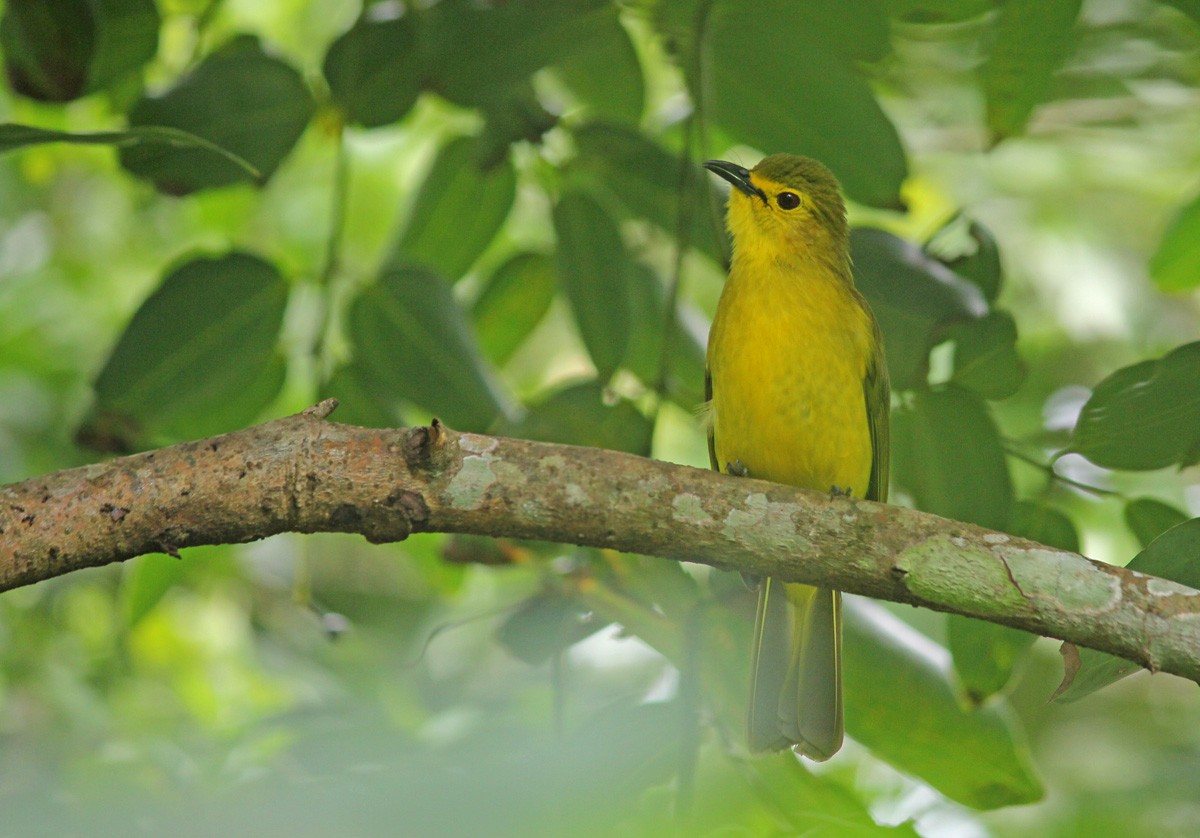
(788, 353)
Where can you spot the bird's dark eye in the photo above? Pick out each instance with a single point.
(787, 200)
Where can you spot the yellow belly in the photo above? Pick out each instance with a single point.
(788, 354)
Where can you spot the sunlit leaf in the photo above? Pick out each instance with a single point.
(239, 98)
(198, 358)
(373, 70)
(985, 355)
(1145, 416)
(596, 272)
(513, 301)
(412, 344)
(1174, 555)
(775, 80)
(1175, 266)
(1148, 518)
(1030, 40)
(458, 210)
(902, 704)
(914, 298)
(946, 453)
(986, 654)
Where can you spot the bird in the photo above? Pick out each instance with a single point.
(797, 392)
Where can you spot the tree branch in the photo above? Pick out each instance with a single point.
(304, 474)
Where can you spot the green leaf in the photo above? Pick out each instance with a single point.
(362, 400)
(686, 356)
(901, 703)
(946, 453)
(595, 272)
(1174, 555)
(458, 211)
(518, 116)
(583, 414)
(939, 11)
(48, 47)
(982, 265)
(986, 654)
(14, 135)
(238, 98)
(514, 300)
(985, 355)
(412, 343)
(373, 70)
(1148, 518)
(198, 358)
(606, 73)
(914, 297)
(1145, 416)
(544, 625)
(126, 39)
(644, 180)
(775, 80)
(522, 36)
(1175, 266)
(1030, 40)
(148, 580)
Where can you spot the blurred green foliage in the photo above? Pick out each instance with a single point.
(494, 213)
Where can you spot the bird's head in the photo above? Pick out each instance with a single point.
(786, 205)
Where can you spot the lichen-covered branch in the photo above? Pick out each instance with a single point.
(306, 474)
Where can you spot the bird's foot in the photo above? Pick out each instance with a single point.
(737, 468)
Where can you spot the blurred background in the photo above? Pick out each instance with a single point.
(493, 213)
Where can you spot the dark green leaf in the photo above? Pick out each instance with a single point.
(946, 453)
(982, 265)
(1148, 518)
(522, 36)
(458, 210)
(545, 624)
(685, 361)
(48, 47)
(1145, 416)
(606, 74)
(13, 136)
(1030, 40)
(199, 356)
(513, 302)
(238, 98)
(362, 400)
(914, 297)
(986, 654)
(126, 39)
(1174, 555)
(595, 272)
(774, 80)
(645, 180)
(373, 70)
(1191, 8)
(985, 355)
(518, 116)
(901, 703)
(582, 414)
(412, 343)
(1175, 266)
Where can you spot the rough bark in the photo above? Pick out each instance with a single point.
(305, 474)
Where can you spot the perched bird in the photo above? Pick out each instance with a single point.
(797, 391)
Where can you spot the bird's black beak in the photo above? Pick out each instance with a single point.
(739, 176)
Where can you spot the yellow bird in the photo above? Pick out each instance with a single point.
(797, 390)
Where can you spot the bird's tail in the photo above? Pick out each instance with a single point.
(796, 671)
